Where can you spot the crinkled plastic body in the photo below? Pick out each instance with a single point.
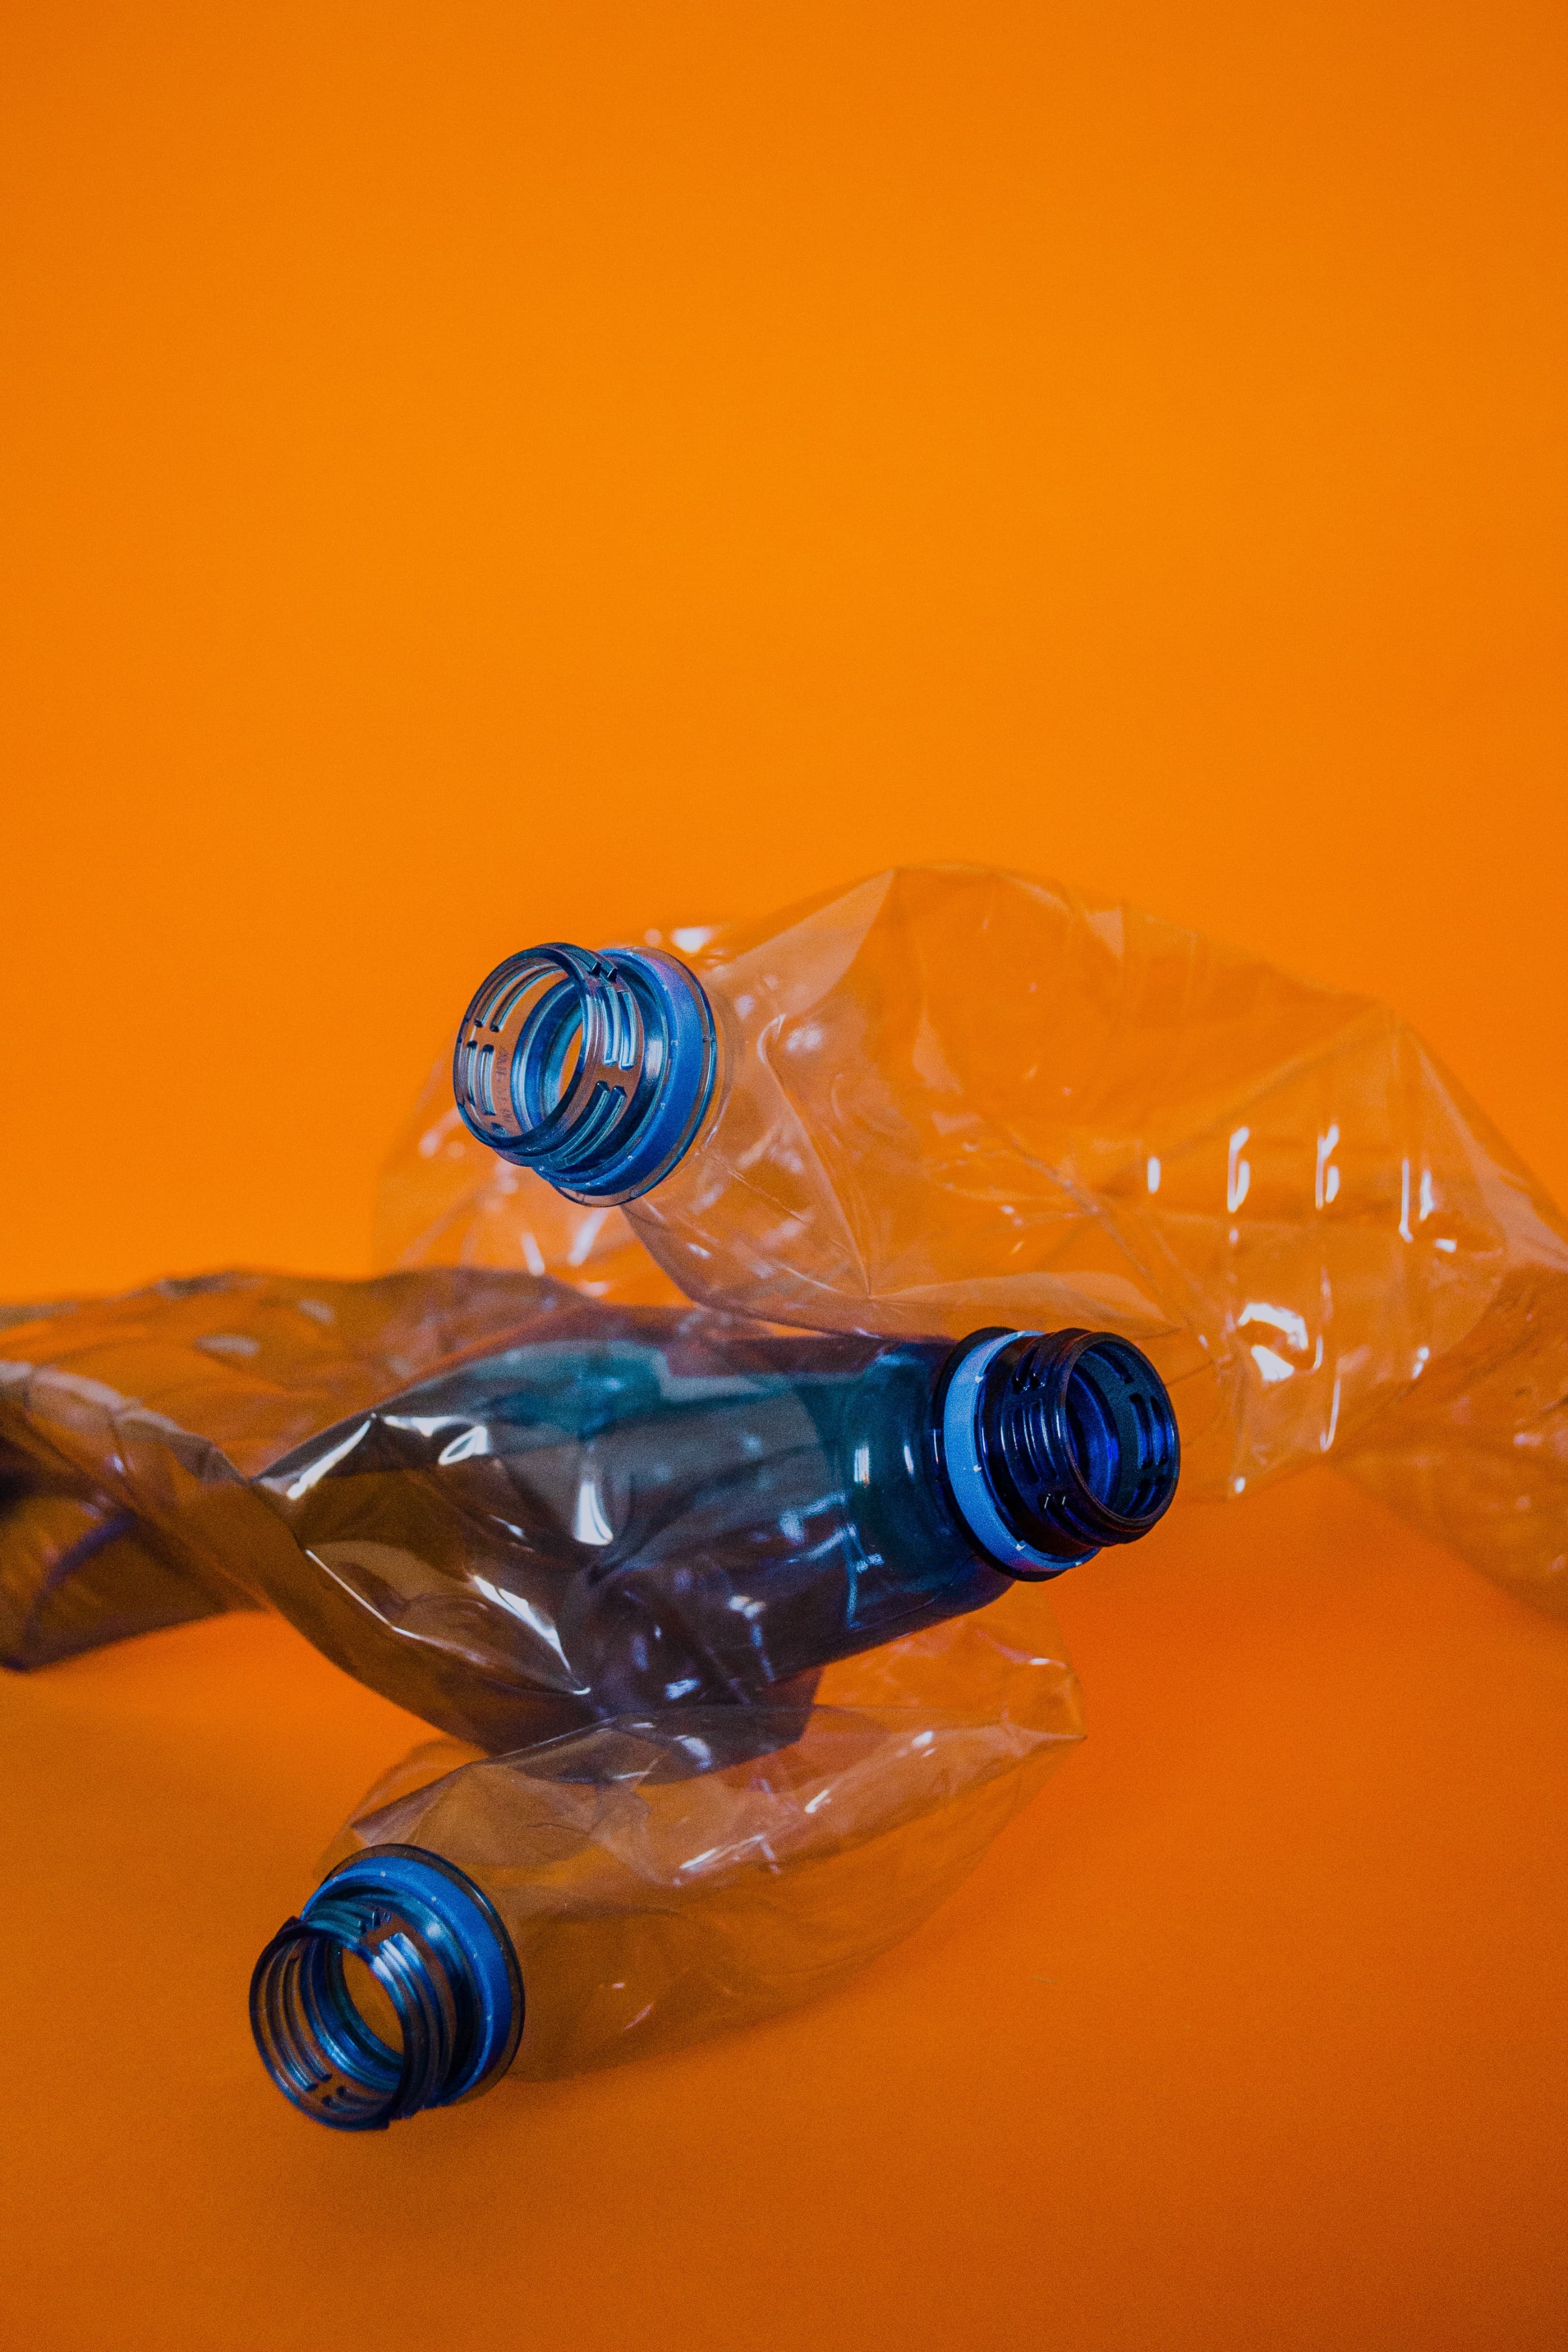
(129, 1429)
(444, 1200)
(77, 1570)
(510, 1509)
(650, 1904)
(954, 1096)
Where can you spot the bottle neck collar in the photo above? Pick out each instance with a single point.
(594, 1070)
(1053, 1444)
(436, 1948)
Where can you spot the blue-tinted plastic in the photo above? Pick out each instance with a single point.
(595, 1070)
(434, 1945)
(972, 1483)
(641, 1508)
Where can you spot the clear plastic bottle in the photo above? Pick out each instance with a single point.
(949, 1096)
(572, 1510)
(628, 1889)
(635, 1510)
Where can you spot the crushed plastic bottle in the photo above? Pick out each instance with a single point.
(948, 1096)
(629, 1889)
(516, 1511)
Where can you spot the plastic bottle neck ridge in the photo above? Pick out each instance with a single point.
(1055, 1443)
(594, 1070)
(437, 1950)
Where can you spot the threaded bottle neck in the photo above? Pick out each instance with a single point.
(434, 1945)
(1054, 1444)
(594, 1070)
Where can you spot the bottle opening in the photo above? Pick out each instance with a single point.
(396, 1989)
(594, 1070)
(373, 2005)
(549, 1049)
(1055, 1443)
(1120, 1433)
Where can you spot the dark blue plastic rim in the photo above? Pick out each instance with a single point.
(594, 1070)
(435, 1943)
(969, 1478)
(1055, 1443)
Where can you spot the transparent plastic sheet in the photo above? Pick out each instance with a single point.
(950, 1095)
(444, 1200)
(650, 1900)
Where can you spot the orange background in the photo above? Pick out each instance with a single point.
(475, 473)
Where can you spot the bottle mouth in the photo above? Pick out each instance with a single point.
(438, 1971)
(1054, 1444)
(594, 1070)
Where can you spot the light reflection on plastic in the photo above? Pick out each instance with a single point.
(533, 1256)
(430, 1142)
(589, 1525)
(318, 1470)
(463, 1448)
(1239, 1174)
(535, 1620)
(1282, 1319)
(583, 1240)
(1326, 1185)
(1328, 1437)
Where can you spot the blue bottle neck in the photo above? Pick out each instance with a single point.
(1053, 1444)
(436, 1948)
(594, 1070)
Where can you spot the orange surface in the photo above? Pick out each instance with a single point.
(477, 473)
